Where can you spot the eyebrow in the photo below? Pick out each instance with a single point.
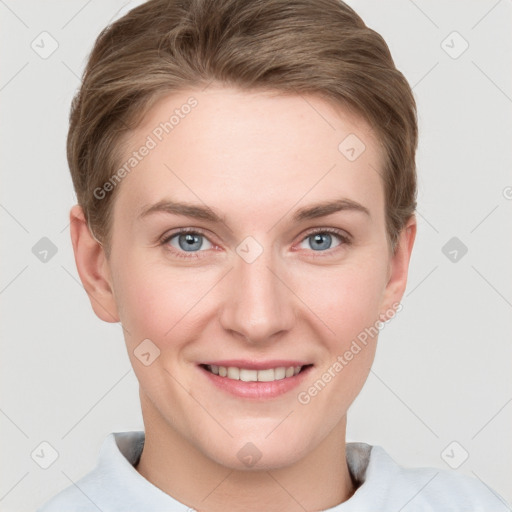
(207, 214)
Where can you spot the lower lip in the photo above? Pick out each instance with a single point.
(256, 390)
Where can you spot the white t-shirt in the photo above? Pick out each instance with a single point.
(114, 485)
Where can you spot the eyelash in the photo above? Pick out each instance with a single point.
(344, 239)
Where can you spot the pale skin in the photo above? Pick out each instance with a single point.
(254, 159)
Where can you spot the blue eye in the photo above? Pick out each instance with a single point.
(190, 241)
(321, 240)
(186, 241)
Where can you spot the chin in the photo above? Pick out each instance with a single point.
(257, 453)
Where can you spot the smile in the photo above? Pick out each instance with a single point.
(249, 375)
(255, 383)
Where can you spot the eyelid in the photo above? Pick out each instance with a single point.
(168, 236)
(180, 231)
(344, 236)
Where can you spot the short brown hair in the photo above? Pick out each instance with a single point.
(293, 46)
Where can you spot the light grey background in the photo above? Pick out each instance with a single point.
(443, 367)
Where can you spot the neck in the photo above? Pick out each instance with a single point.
(318, 481)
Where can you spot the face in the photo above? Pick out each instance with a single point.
(284, 263)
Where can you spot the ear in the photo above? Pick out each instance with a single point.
(93, 267)
(399, 266)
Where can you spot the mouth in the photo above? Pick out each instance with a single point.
(254, 375)
(255, 381)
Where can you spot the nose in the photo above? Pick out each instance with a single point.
(259, 304)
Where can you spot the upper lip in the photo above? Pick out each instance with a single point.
(256, 365)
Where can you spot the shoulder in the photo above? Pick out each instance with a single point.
(73, 498)
(114, 484)
(433, 489)
(111, 479)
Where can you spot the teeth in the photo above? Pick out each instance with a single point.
(266, 375)
(246, 375)
(280, 373)
(234, 373)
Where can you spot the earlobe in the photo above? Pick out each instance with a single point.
(399, 265)
(93, 267)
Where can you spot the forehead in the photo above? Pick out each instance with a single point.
(250, 153)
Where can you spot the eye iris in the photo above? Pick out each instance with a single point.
(318, 237)
(190, 240)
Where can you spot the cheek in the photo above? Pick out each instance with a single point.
(157, 301)
(348, 298)
(348, 302)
